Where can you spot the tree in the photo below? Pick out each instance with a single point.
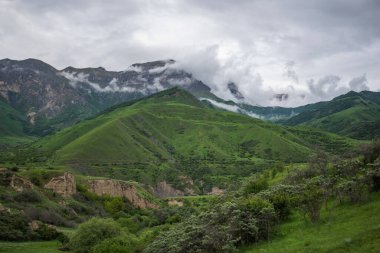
(370, 151)
(93, 232)
(318, 163)
(121, 244)
(311, 198)
(255, 184)
(114, 205)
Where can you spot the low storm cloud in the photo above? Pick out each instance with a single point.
(310, 50)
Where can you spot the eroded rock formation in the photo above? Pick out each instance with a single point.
(164, 190)
(20, 184)
(64, 185)
(174, 202)
(116, 188)
(216, 191)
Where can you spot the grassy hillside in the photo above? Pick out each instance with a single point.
(344, 228)
(356, 115)
(12, 127)
(173, 125)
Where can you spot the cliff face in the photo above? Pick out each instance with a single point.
(119, 189)
(20, 184)
(64, 185)
(9, 178)
(164, 190)
(216, 191)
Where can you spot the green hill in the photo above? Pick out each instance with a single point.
(12, 127)
(356, 115)
(174, 126)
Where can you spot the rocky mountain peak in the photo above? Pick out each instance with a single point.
(232, 87)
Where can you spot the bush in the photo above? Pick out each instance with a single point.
(114, 205)
(28, 196)
(311, 198)
(93, 232)
(44, 232)
(255, 184)
(282, 197)
(355, 190)
(49, 216)
(221, 229)
(120, 244)
(13, 226)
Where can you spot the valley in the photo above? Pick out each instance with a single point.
(164, 170)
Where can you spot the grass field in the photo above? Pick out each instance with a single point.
(30, 247)
(346, 228)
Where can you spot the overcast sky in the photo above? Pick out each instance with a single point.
(312, 50)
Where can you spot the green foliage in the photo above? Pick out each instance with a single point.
(255, 184)
(93, 232)
(311, 198)
(174, 127)
(114, 205)
(30, 247)
(220, 229)
(354, 114)
(344, 228)
(28, 196)
(14, 226)
(122, 244)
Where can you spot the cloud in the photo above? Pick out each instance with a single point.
(78, 78)
(359, 83)
(231, 108)
(243, 41)
(290, 72)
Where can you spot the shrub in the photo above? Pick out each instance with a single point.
(93, 232)
(255, 184)
(282, 197)
(355, 190)
(311, 198)
(13, 226)
(122, 244)
(114, 205)
(44, 232)
(29, 196)
(49, 216)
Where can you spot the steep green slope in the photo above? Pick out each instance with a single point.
(12, 126)
(173, 126)
(346, 228)
(356, 115)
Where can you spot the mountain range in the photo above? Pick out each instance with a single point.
(36, 99)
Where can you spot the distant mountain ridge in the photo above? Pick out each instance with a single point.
(355, 114)
(51, 99)
(37, 99)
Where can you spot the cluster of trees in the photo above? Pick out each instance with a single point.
(251, 214)
(16, 226)
(220, 229)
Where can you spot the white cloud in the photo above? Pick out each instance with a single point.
(248, 42)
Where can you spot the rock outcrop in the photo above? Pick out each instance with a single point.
(64, 185)
(174, 202)
(216, 191)
(116, 188)
(164, 190)
(20, 184)
(9, 178)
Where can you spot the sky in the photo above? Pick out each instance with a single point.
(312, 50)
